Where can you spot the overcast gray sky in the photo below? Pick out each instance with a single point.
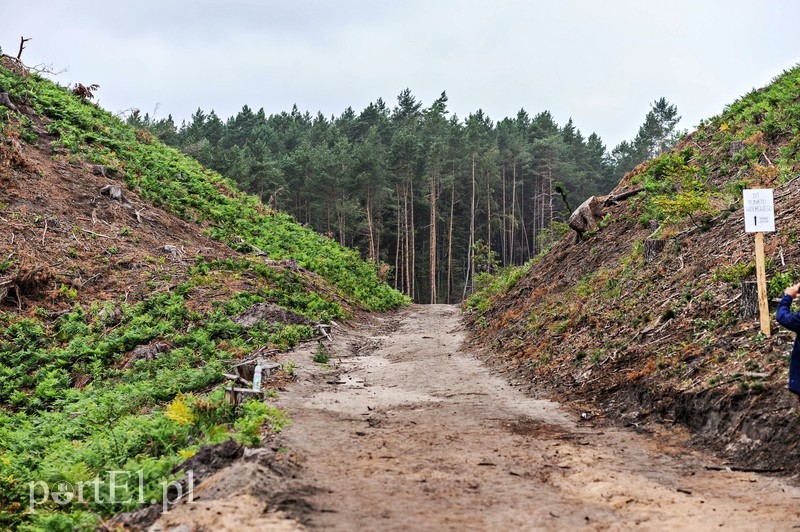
(599, 62)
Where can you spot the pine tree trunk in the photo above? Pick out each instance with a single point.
(450, 240)
(488, 228)
(504, 220)
(370, 226)
(513, 213)
(432, 255)
(413, 248)
(542, 207)
(534, 216)
(470, 275)
(397, 261)
(550, 210)
(341, 222)
(523, 227)
(407, 241)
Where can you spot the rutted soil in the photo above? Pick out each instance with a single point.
(407, 429)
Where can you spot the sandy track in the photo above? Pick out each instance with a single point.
(411, 431)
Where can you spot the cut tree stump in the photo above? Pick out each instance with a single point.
(112, 191)
(247, 369)
(236, 396)
(652, 248)
(583, 219)
(99, 169)
(749, 305)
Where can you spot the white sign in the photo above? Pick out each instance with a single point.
(759, 210)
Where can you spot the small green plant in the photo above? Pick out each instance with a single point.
(67, 292)
(734, 273)
(778, 283)
(6, 264)
(321, 354)
(288, 368)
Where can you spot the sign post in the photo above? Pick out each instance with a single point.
(759, 218)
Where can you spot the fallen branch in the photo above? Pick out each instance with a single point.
(616, 198)
(98, 234)
(745, 469)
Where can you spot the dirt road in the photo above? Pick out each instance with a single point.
(407, 430)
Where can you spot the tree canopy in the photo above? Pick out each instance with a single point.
(416, 187)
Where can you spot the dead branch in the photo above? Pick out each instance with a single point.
(85, 92)
(22, 41)
(98, 234)
(745, 469)
(616, 198)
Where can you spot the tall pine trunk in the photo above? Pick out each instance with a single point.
(450, 240)
(488, 229)
(470, 275)
(413, 248)
(432, 255)
(370, 226)
(407, 241)
(504, 220)
(340, 216)
(513, 210)
(398, 263)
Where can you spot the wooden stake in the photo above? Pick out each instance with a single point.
(761, 278)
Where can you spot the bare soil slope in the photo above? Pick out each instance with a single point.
(664, 337)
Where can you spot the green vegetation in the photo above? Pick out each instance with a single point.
(491, 286)
(321, 355)
(366, 178)
(735, 273)
(181, 185)
(136, 387)
(78, 405)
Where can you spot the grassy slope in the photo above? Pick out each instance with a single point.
(72, 404)
(593, 321)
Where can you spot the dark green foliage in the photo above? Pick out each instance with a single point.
(656, 136)
(349, 176)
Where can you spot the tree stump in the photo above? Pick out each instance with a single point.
(749, 306)
(652, 248)
(583, 219)
(237, 396)
(112, 191)
(247, 369)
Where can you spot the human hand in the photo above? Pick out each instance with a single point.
(792, 290)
